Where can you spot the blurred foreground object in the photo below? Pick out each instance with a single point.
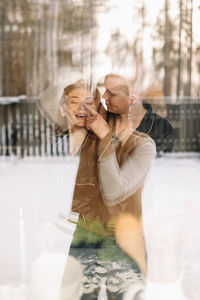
(48, 105)
(129, 235)
(46, 276)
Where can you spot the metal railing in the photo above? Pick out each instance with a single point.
(24, 131)
(185, 119)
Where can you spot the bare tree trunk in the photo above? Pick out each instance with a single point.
(82, 44)
(35, 55)
(189, 45)
(48, 47)
(42, 56)
(1, 45)
(28, 45)
(179, 65)
(166, 86)
(55, 6)
(141, 55)
(92, 43)
(189, 65)
(136, 62)
(138, 50)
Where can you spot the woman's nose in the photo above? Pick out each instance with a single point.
(81, 106)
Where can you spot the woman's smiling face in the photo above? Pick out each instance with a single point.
(75, 101)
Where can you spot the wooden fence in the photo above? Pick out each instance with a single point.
(24, 132)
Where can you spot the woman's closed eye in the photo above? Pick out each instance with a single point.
(74, 102)
(89, 101)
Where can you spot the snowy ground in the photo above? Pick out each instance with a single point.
(43, 187)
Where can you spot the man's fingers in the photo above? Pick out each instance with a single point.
(91, 119)
(88, 127)
(90, 109)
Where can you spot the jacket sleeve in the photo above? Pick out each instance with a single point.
(163, 135)
(117, 184)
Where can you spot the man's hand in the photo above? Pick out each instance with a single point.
(96, 123)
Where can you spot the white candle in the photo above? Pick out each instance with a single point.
(102, 292)
(22, 246)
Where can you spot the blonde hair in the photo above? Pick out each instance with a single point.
(78, 84)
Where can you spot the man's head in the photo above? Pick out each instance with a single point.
(117, 94)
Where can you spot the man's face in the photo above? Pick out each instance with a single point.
(117, 99)
(75, 101)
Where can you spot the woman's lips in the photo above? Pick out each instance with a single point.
(81, 116)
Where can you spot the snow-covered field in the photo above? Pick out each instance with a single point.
(40, 188)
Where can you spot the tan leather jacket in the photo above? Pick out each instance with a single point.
(87, 199)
